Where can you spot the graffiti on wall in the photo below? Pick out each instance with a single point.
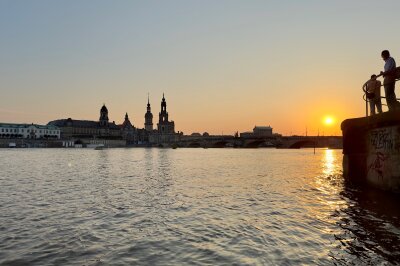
(382, 142)
(381, 139)
(378, 163)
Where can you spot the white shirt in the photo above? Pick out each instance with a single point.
(390, 64)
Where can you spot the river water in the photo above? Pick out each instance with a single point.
(190, 207)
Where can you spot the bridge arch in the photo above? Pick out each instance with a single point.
(254, 144)
(302, 143)
(194, 145)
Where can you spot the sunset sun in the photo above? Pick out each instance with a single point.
(328, 120)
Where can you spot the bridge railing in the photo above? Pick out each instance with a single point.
(364, 88)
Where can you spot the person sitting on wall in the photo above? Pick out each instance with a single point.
(389, 75)
(374, 94)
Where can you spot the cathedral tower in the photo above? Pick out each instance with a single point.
(163, 115)
(164, 126)
(148, 117)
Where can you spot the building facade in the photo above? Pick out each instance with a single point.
(86, 129)
(129, 132)
(29, 131)
(258, 132)
(262, 131)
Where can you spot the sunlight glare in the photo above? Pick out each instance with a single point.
(328, 121)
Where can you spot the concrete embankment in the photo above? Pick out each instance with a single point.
(58, 143)
(37, 143)
(371, 150)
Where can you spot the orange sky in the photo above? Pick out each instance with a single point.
(224, 67)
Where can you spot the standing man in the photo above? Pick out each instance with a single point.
(389, 80)
(374, 94)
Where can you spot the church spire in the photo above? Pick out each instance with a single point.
(148, 103)
(148, 117)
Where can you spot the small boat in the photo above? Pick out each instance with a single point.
(99, 147)
(96, 146)
(12, 145)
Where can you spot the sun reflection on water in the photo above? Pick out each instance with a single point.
(329, 162)
(330, 183)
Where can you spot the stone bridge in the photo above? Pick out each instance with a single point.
(297, 142)
(293, 142)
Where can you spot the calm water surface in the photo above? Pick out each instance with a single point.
(190, 207)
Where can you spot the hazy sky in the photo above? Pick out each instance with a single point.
(224, 66)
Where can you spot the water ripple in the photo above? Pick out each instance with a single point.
(190, 207)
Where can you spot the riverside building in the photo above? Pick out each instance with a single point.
(111, 134)
(28, 131)
(88, 132)
(87, 129)
(258, 132)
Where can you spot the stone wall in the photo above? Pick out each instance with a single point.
(34, 143)
(371, 150)
(383, 159)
